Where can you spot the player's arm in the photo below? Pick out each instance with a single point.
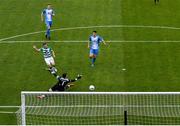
(38, 50)
(53, 53)
(42, 15)
(89, 42)
(77, 78)
(53, 14)
(69, 80)
(102, 40)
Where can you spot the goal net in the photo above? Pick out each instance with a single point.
(99, 108)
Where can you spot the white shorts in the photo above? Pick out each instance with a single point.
(49, 61)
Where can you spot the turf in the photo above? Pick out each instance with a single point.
(150, 66)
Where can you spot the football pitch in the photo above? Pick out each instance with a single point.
(142, 52)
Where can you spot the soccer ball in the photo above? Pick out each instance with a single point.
(91, 87)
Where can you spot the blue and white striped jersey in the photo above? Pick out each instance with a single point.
(95, 41)
(48, 13)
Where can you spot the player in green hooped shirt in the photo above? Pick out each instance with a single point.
(49, 56)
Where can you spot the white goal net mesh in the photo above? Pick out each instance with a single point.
(100, 108)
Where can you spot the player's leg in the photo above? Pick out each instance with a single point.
(91, 54)
(155, 1)
(50, 90)
(68, 86)
(49, 31)
(48, 25)
(51, 59)
(48, 63)
(95, 53)
(53, 68)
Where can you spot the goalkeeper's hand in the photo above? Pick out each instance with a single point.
(79, 76)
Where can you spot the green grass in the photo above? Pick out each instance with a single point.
(150, 66)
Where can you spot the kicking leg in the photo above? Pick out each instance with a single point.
(53, 69)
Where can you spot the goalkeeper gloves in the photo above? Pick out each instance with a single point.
(79, 76)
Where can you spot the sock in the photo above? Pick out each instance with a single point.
(93, 60)
(53, 70)
(48, 32)
(55, 74)
(90, 59)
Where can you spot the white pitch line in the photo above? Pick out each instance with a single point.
(108, 106)
(6, 112)
(98, 106)
(9, 106)
(84, 41)
(90, 27)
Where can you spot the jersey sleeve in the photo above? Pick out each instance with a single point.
(90, 39)
(100, 39)
(53, 13)
(41, 49)
(50, 49)
(44, 12)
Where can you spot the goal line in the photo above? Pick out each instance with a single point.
(108, 93)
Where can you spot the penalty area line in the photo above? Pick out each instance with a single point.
(9, 106)
(85, 41)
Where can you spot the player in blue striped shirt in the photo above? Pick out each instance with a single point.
(47, 15)
(93, 44)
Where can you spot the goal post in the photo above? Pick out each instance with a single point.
(23, 109)
(99, 108)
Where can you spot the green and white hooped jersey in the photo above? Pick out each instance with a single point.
(47, 52)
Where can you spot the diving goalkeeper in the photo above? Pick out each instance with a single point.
(63, 84)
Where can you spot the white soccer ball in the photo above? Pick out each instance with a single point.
(91, 87)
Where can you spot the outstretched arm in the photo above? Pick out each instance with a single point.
(38, 50)
(42, 16)
(88, 44)
(69, 80)
(104, 42)
(77, 78)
